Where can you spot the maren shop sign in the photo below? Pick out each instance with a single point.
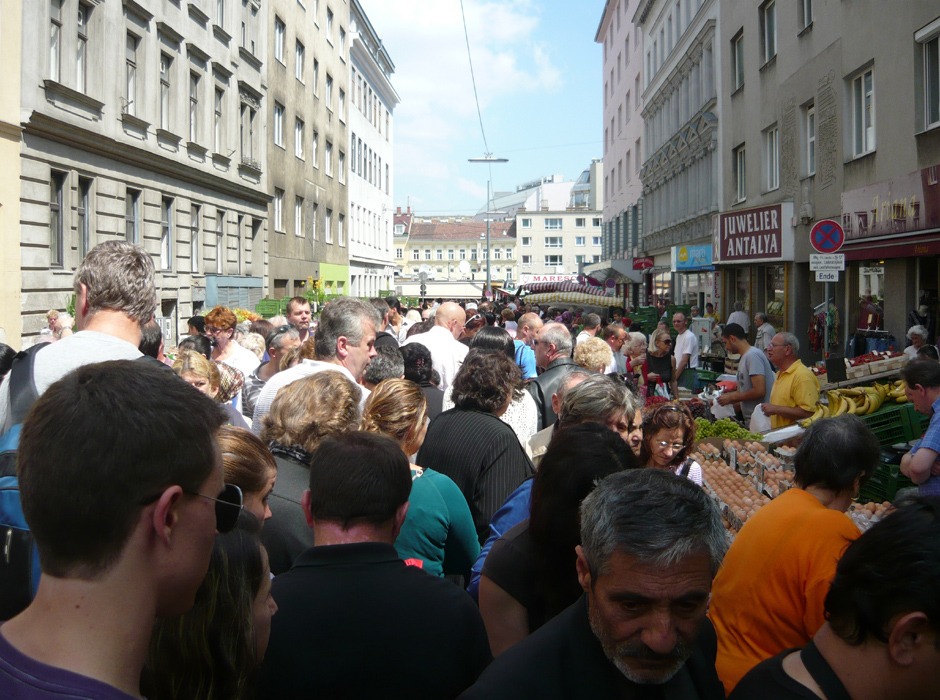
(752, 235)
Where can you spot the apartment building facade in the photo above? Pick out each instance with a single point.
(10, 130)
(680, 171)
(828, 115)
(454, 248)
(144, 123)
(371, 148)
(622, 43)
(306, 140)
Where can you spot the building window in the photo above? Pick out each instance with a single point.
(579, 240)
(498, 254)
(130, 78)
(386, 178)
(450, 253)
(220, 13)
(580, 223)
(553, 242)
(278, 125)
(863, 113)
(579, 259)
(399, 253)
(194, 214)
(508, 253)
(247, 127)
(279, 31)
(932, 82)
(768, 15)
(194, 107)
(340, 229)
(218, 121)
(329, 92)
(298, 216)
(772, 158)
(219, 241)
(342, 167)
(526, 260)
(329, 25)
(278, 209)
(806, 7)
(131, 212)
(299, 139)
(84, 216)
(811, 140)
(342, 104)
(415, 254)
(299, 56)
(553, 260)
(165, 63)
(527, 240)
(315, 155)
(56, 219)
(55, 40)
(595, 240)
(596, 222)
(552, 224)
(440, 254)
(342, 43)
(328, 159)
(527, 223)
(316, 76)
(740, 183)
(328, 224)
(81, 52)
(427, 253)
(473, 254)
(166, 234)
(737, 60)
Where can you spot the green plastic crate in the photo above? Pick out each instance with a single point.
(884, 484)
(892, 424)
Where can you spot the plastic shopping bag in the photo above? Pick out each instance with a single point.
(760, 423)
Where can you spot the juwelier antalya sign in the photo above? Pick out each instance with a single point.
(755, 235)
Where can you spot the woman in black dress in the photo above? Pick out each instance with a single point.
(662, 364)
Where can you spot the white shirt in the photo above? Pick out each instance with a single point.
(687, 344)
(741, 319)
(582, 336)
(694, 475)
(447, 354)
(246, 362)
(522, 415)
(282, 379)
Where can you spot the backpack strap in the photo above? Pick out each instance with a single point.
(686, 467)
(23, 392)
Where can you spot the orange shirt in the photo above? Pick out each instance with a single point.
(769, 593)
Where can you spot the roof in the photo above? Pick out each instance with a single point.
(467, 231)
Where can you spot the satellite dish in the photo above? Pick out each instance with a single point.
(464, 267)
(425, 269)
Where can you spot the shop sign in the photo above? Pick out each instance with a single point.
(756, 234)
(643, 263)
(866, 270)
(899, 205)
(526, 278)
(691, 257)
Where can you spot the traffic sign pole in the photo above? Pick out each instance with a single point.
(827, 237)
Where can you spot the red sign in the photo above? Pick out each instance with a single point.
(643, 263)
(754, 234)
(827, 236)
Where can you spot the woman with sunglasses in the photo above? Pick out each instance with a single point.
(661, 362)
(668, 436)
(249, 465)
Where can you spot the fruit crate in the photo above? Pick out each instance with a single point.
(893, 424)
(919, 423)
(884, 484)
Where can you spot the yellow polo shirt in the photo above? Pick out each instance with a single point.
(795, 387)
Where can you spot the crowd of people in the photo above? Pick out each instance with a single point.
(466, 500)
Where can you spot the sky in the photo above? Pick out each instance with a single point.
(538, 77)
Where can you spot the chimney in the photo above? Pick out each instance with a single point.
(398, 211)
(409, 210)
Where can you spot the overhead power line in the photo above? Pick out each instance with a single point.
(473, 78)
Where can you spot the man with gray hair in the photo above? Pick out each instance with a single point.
(387, 364)
(552, 346)
(344, 342)
(279, 342)
(537, 444)
(764, 332)
(651, 544)
(796, 389)
(739, 316)
(114, 297)
(591, 324)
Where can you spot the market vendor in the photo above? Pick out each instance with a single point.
(918, 337)
(921, 465)
(796, 389)
(686, 352)
(755, 374)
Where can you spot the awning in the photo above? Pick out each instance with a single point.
(927, 243)
(619, 270)
(571, 298)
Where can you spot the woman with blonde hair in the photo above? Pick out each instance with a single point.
(204, 375)
(248, 463)
(593, 355)
(438, 531)
(303, 414)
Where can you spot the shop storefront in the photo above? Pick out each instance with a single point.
(695, 277)
(754, 250)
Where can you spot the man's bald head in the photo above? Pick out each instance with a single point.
(527, 326)
(450, 316)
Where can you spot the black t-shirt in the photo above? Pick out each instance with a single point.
(768, 680)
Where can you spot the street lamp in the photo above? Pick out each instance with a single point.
(488, 158)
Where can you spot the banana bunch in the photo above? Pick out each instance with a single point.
(859, 401)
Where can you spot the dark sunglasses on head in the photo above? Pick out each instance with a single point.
(228, 506)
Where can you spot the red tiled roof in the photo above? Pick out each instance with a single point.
(466, 231)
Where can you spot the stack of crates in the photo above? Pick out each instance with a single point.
(898, 423)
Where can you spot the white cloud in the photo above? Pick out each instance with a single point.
(436, 124)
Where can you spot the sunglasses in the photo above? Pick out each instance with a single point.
(473, 319)
(214, 330)
(228, 506)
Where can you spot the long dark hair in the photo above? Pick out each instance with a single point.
(210, 653)
(577, 458)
